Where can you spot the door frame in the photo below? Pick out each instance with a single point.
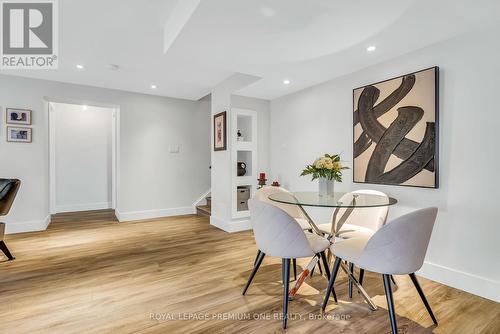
(115, 147)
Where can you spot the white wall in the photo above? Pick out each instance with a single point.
(83, 157)
(465, 248)
(152, 181)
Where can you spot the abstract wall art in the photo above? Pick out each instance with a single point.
(396, 131)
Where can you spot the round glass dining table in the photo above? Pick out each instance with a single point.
(347, 201)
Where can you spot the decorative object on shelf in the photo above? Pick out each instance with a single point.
(239, 136)
(327, 169)
(262, 180)
(19, 135)
(220, 138)
(396, 138)
(243, 195)
(276, 184)
(242, 168)
(18, 116)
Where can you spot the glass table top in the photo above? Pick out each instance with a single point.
(338, 200)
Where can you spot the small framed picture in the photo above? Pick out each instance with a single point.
(19, 135)
(220, 131)
(18, 116)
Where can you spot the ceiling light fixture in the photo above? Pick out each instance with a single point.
(154, 86)
(286, 82)
(79, 66)
(85, 107)
(371, 48)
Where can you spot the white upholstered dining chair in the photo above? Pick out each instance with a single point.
(278, 234)
(398, 248)
(359, 222)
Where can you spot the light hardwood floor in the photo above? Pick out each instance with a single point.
(90, 274)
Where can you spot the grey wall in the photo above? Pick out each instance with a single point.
(464, 249)
(150, 177)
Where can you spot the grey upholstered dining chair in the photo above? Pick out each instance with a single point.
(278, 234)
(398, 248)
(294, 211)
(359, 222)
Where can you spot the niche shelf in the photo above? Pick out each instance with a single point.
(244, 150)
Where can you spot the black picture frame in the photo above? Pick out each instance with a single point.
(222, 116)
(436, 121)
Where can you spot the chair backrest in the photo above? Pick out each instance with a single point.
(276, 232)
(263, 194)
(399, 247)
(371, 218)
(8, 192)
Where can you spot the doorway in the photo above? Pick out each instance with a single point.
(83, 155)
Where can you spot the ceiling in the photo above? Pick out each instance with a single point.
(186, 47)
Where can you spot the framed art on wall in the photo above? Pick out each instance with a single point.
(396, 131)
(220, 136)
(19, 135)
(18, 116)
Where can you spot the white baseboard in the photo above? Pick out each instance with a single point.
(27, 226)
(150, 214)
(83, 207)
(232, 225)
(477, 285)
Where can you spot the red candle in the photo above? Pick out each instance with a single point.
(262, 176)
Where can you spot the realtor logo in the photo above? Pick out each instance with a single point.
(29, 34)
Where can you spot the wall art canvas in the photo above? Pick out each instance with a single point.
(220, 131)
(18, 116)
(396, 131)
(19, 135)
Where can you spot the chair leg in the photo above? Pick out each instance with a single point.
(6, 251)
(351, 269)
(361, 276)
(254, 271)
(422, 296)
(319, 267)
(286, 277)
(256, 257)
(393, 280)
(330, 289)
(325, 264)
(390, 303)
(294, 269)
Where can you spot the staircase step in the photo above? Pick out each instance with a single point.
(204, 210)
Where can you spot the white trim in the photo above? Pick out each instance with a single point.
(115, 149)
(477, 285)
(27, 226)
(231, 226)
(202, 200)
(83, 207)
(157, 213)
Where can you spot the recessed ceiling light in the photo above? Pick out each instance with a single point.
(85, 107)
(154, 86)
(371, 48)
(286, 82)
(79, 66)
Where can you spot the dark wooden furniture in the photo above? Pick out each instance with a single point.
(8, 192)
